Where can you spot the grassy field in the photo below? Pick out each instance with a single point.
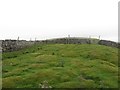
(61, 66)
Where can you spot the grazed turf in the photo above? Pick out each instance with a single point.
(62, 66)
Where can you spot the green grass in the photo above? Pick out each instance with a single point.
(62, 66)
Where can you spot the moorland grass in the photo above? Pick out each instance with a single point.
(62, 66)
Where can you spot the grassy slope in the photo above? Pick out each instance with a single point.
(84, 66)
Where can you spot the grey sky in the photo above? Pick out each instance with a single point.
(57, 18)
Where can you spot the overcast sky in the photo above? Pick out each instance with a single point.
(45, 19)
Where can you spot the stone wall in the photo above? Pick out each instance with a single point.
(13, 45)
(69, 41)
(108, 43)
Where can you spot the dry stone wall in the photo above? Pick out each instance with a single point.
(108, 43)
(70, 41)
(13, 45)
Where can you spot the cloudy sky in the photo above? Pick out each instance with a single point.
(44, 19)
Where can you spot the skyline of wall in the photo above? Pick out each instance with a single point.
(14, 45)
